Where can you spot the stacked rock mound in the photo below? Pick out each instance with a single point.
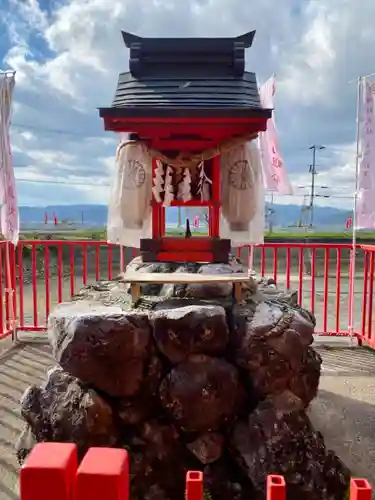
(192, 383)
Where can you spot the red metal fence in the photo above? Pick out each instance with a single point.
(52, 471)
(37, 275)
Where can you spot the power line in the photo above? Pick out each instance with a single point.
(57, 131)
(105, 133)
(42, 181)
(72, 183)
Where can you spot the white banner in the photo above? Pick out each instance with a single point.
(366, 172)
(9, 208)
(274, 173)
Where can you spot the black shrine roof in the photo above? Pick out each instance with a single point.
(187, 57)
(201, 77)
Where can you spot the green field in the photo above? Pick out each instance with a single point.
(365, 235)
(100, 235)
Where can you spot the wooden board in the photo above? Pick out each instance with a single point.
(186, 278)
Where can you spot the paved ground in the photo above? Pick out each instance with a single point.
(344, 410)
(18, 369)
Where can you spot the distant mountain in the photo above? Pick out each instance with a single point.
(287, 215)
(96, 215)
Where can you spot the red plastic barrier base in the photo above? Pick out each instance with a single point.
(360, 489)
(51, 473)
(103, 474)
(194, 485)
(276, 488)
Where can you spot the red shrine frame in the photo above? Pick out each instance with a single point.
(187, 134)
(193, 249)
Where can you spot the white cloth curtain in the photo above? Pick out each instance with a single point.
(242, 196)
(129, 209)
(9, 209)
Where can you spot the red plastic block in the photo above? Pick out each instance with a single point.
(103, 475)
(194, 485)
(49, 472)
(276, 488)
(360, 489)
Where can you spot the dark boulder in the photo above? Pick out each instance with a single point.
(179, 289)
(208, 447)
(272, 345)
(65, 410)
(305, 383)
(25, 443)
(158, 460)
(138, 266)
(193, 329)
(136, 409)
(280, 432)
(213, 290)
(103, 346)
(106, 293)
(224, 480)
(201, 393)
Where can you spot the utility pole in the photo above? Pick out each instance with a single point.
(270, 212)
(304, 213)
(179, 216)
(313, 172)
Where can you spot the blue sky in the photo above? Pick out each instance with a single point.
(68, 54)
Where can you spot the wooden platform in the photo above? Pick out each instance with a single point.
(136, 279)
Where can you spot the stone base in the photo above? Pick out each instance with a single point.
(192, 381)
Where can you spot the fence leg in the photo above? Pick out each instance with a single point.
(49, 472)
(103, 475)
(13, 276)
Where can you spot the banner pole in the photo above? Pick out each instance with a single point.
(10, 291)
(354, 226)
(250, 261)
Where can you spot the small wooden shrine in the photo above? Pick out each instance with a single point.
(189, 100)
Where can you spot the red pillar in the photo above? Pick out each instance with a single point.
(214, 209)
(158, 212)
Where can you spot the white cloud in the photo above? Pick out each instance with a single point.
(334, 182)
(68, 54)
